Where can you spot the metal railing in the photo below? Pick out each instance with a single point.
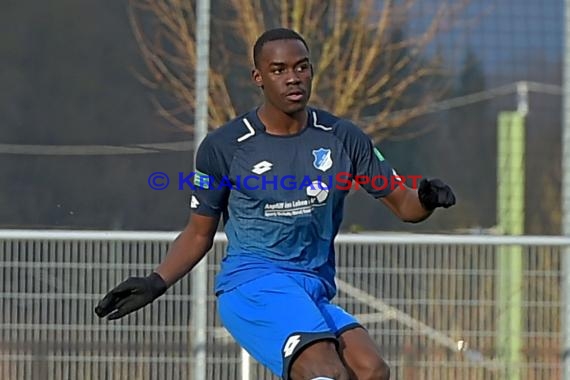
(430, 301)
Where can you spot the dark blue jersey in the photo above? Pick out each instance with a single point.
(282, 197)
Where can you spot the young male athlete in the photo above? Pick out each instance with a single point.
(273, 175)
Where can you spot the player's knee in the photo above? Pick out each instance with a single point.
(336, 372)
(328, 371)
(316, 358)
(375, 369)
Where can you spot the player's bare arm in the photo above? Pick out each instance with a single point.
(416, 205)
(189, 248)
(405, 204)
(186, 251)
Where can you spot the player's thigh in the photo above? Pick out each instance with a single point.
(357, 349)
(362, 356)
(274, 319)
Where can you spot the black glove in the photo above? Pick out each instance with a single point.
(434, 193)
(131, 295)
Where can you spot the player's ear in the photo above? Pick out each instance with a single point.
(256, 78)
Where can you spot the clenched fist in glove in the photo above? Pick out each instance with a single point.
(435, 193)
(131, 295)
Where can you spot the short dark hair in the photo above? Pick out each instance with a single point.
(275, 35)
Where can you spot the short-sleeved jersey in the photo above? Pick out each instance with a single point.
(282, 197)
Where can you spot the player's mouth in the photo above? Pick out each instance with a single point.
(295, 95)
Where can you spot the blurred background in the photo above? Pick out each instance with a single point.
(97, 95)
(84, 83)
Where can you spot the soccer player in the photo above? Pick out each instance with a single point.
(272, 173)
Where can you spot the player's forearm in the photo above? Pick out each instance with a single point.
(186, 251)
(411, 210)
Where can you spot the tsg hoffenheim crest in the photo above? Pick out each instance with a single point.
(323, 160)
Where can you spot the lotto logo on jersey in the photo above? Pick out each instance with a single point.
(261, 167)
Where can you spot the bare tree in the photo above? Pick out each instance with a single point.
(366, 66)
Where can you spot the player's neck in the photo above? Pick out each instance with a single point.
(280, 123)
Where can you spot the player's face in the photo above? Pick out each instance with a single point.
(285, 74)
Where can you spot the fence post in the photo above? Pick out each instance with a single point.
(510, 218)
(200, 273)
(245, 365)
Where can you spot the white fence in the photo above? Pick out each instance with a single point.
(430, 301)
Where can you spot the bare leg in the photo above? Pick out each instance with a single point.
(319, 359)
(361, 356)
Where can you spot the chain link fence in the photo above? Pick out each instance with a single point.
(429, 301)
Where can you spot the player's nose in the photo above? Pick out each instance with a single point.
(293, 78)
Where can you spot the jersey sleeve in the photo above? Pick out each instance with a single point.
(210, 190)
(369, 167)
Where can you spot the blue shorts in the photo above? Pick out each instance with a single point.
(275, 316)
